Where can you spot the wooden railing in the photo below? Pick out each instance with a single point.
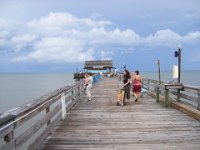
(27, 126)
(40, 116)
(186, 98)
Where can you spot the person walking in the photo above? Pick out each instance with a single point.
(126, 80)
(88, 84)
(137, 84)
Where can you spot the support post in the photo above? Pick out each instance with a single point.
(47, 111)
(178, 95)
(157, 94)
(179, 72)
(179, 64)
(166, 98)
(63, 103)
(148, 84)
(9, 137)
(158, 63)
(198, 101)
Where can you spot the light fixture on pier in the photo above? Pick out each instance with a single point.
(178, 54)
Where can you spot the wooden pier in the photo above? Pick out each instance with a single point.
(100, 124)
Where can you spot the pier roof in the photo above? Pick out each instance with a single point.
(98, 65)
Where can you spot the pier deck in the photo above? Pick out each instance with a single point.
(100, 124)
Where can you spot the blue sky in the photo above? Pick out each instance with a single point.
(54, 36)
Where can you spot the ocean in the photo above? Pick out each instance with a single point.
(19, 88)
(191, 78)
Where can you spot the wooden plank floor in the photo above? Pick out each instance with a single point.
(100, 124)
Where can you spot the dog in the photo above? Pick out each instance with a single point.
(120, 97)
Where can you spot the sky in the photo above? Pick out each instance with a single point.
(59, 35)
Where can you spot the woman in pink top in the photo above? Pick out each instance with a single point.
(137, 84)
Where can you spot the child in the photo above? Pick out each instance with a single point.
(120, 97)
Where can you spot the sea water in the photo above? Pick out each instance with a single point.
(191, 78)
(19, 88)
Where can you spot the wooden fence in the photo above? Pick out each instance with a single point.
(46, 112)
(186, 99)
(27, 126)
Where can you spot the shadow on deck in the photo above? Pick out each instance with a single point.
(100, 124)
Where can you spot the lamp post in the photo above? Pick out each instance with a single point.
(178, 54)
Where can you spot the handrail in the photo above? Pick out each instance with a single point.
(45, 110)
(187, 95)
(187, 99)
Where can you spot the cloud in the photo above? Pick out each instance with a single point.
(21, 42)
(24, 38)
(106, 55)
(65, 38)
(165, 38)
(2, 42)
(4, 33)
(57, 22)
(192, 38)
(100, 36)
(57, 49)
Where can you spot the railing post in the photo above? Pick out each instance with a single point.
(9, 137)
(79, 91)
(148, 83)
(198, 101)
(72, 93)
(63, 103)
(47, 111)
(75, 93)
(157, 94)
(178, 95)
(166, 98)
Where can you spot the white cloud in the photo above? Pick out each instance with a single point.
(22, 41)
(115, 37)
(4, 32)
(163, 38)
(106, 55)
(192, 38)
(24, 38)
(56, 49)
(62, 37)
(56, 22)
